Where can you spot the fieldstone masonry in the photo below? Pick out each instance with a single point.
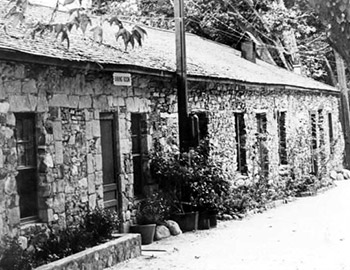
(68, 102)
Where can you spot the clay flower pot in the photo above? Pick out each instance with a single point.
(147, 232)
(187, 221)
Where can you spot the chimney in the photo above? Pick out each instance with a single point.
(248, 50)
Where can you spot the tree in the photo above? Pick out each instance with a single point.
(335, 15)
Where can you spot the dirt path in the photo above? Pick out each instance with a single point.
(309, 233)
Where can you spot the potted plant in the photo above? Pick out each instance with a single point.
(150, 212)
(194, 182)
(208, 187)
(172, 172)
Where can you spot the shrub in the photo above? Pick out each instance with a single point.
(96, 226)
(100, 224)
(153, 209)
(191, 179)
(13, 257)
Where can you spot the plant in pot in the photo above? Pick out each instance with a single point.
(194, 182)
(208, 187)
(151, 211)
(172, 171)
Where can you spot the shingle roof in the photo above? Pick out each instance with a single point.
(204, 57)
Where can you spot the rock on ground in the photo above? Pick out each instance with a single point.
(173, 227)
(161, 232)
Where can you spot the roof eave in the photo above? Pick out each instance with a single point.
(18, 56)
(15, 55)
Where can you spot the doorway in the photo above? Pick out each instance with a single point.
(110, 159)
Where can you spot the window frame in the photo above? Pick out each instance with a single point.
(282, 137)
(28, 167)
(241, 132)
(261, 118)
(141, 154)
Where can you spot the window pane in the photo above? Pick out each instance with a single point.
(27, 173)
(241, 142)
(139, 149)
(282, 137)
(25, 135)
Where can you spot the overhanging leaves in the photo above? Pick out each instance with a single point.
(84, 22)
(65, 37)
(97, 34)
(137, 33)
(78, 17)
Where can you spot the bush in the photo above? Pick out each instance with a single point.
(96, 226)
(13, 257)
(191, 179)
(307, 183)
(153, 209)
(100, 224)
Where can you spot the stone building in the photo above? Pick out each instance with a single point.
(77, 124)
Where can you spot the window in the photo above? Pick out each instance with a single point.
(27, 167)
(282, 146)
(139, 150)
(262, 147)
(314, 145)
(203, 124)
(241, 135)
(330, 132)
(322, 141)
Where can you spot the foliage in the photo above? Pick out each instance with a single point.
(307, 183)
(13, 257)
(80, 18)
(191, 179)
(295, 179)
(269, 22)
(95, 227)
(335, 14)
(62, 243)
(100, 224)
(137, 33)
(153, 209)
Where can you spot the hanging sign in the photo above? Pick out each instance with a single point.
(123, 79)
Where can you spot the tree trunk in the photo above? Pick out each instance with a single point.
(336, 15)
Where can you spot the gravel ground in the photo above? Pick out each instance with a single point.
(309, 233)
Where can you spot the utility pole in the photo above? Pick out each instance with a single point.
(181, 76)
(344, 99)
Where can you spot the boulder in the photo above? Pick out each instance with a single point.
(173, 227)
(161, 232)
(340, 177)
(333, 175)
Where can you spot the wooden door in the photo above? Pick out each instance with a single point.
(110, 157)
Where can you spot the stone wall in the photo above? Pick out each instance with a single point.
(223, 100)
(103, 256)
(68, 103)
